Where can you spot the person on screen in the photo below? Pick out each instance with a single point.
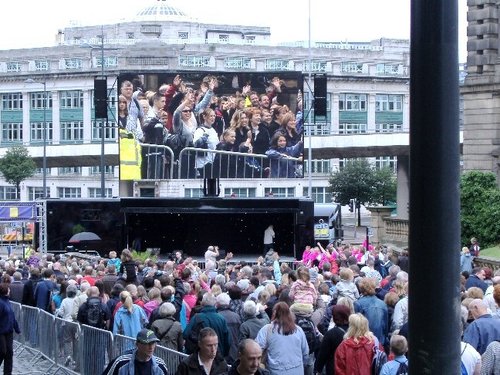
(283, 160)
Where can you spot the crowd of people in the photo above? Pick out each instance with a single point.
(338, 310)
(179, 116)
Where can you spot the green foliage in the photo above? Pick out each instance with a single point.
(141, 256)
(480, 208)
(16, 166)
(358, 179)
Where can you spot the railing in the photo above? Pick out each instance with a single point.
(74, 347)
(396, 231)
(160, 162)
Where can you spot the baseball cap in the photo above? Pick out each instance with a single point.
(146, 336)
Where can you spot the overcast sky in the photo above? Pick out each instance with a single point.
(34, 23)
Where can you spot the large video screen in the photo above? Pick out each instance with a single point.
(198, 124)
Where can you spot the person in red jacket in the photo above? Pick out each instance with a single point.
(354, 355)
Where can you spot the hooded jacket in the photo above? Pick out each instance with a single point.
(354, 358)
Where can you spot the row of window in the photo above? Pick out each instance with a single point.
(67, 100)
(8, 193)
(383, 102)
(236, 62)
(68, 63)
(69, 131)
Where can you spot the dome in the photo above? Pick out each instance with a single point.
(161, 10)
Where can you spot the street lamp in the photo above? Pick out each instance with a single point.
(44, 160)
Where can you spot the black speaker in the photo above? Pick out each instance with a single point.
(320, 95)
(101, 98)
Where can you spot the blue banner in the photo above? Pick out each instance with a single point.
(17, 212)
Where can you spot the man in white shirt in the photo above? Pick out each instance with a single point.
(268, 239)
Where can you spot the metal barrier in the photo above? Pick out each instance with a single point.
(202, 163)
(123, 344)
(71, 347)
(157, 162)
(46, 333)
(95, 350)
(67, 340)
(170, 357)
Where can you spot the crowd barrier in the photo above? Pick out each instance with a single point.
(159, 162)
(78, 348)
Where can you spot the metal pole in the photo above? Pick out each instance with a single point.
(105, 120)
(309, 107)
(44, 160)
(434, 189)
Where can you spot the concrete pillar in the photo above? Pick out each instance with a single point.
(403, 189)
(377, 222)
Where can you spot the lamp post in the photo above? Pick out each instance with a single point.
(44, 131)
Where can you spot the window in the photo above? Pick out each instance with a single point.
(352, 102)
(35, 192)
(69, 192)
(277, 64)
(36, 132)
(109, 61)
(237, 63)
(108, 169)
(317, 66)
(352, 128)
(12, 101)
(72, 131)
(41, 65)
(72, 99)
(279, 192)
(73, 63)
(96, 192)
(351, 67)
(69, 171)
(194, 61)
(12, 132)
(109, 130)
(319, 194)
(37, 100)
(223, 38)
(386, 161)
(130, 36)
(250, 39)
(388, 128)
(193, 193)
(319, 166)
(240, 192)
(13, 66)
(393, 103)
(388, 69)
(183, 35)
(8, 193)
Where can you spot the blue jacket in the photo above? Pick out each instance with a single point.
(482, 332)
(8, 322)
(280, 165)
(43, 292)
(376, 312)
(129, 324)
(215, 321)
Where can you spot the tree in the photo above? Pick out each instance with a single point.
(358, 179)
(16, 166)
(480, 207)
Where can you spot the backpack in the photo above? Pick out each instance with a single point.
(312, 336)
(95, 313)
(403, 368)
(191, 341)
(379, 359)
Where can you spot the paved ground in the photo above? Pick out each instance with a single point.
(29, 361)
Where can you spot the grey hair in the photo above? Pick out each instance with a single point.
(208, 300)
(250, 308)
(166, 309)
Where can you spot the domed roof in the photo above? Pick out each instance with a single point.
(161, 10)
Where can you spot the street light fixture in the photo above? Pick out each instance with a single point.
(44, 160)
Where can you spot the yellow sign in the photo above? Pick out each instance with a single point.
(13, 212)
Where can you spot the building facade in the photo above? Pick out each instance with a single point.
(367, 92)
